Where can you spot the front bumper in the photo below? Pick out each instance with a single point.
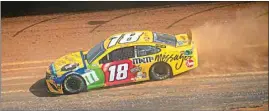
(52, 87)
(50, 78)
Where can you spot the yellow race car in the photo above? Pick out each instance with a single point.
(123, 58)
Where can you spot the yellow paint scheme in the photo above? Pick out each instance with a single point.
(67, 59)
(147, 36)
(147, 39)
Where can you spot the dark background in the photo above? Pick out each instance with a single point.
(20, 8)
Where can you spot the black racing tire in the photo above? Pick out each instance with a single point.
(73, 84)
(160, 71)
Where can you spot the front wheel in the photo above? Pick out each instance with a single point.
(160, 71)
(74, 84)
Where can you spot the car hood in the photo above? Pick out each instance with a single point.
(67, 63)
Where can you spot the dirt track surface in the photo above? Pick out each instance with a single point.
(232, 41)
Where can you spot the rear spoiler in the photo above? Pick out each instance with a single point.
(189, 34)
(184, 39)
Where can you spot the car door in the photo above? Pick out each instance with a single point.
(116, 66)
(144, 59)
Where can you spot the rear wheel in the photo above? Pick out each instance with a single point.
(74, 84)
(160, 71)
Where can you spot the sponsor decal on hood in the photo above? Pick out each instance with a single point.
(69, 62)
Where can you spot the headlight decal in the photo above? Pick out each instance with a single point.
(52, 69)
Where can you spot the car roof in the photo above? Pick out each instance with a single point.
(145, 36)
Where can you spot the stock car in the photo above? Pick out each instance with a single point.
(123, 58)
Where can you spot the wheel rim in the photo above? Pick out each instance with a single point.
(73, 84)
(161, 70)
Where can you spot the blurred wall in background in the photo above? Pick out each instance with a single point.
(21, 8)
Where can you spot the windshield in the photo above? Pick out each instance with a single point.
(164, 38)
(95, 52)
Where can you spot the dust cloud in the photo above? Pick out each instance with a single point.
(235, 45)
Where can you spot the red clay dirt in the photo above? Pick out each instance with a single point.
(229, 39)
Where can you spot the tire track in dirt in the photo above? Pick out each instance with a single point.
(196, 13)
(127, 14)
(117, 17)
(26, 62)
(32, 25)
(24, 68)
(22, 87)
(46, 20)
(21, 90)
